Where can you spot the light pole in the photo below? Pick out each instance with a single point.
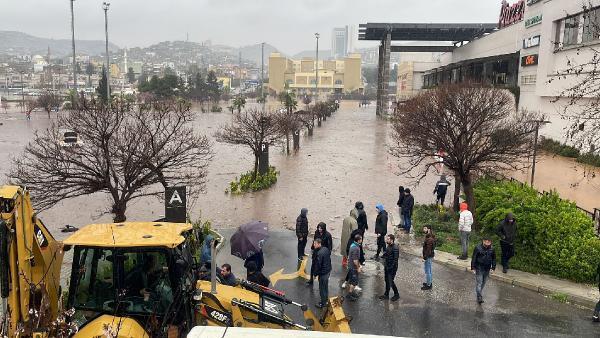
(317, 35)
(105, 6)
(535, 141)
(73, 45)
(262, 74)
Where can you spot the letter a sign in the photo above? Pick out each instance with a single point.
(175, 204)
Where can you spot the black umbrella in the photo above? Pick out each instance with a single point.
(249, 239)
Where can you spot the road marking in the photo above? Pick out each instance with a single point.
(300, 273)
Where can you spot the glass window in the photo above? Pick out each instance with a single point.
(591, 25)
(132, 281)
(571, 31)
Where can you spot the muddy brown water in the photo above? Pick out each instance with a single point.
(346, 160)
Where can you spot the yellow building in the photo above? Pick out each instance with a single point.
(335, 76)
(225, 81)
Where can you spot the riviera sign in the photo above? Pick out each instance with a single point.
(509, 14)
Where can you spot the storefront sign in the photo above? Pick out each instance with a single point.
(510, 14)
(531, 42)
(529, 60)
(531, 2)
(534, 20)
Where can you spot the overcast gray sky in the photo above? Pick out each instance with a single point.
(288, 25)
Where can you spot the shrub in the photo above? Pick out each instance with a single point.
(553, 236)
(589, 158)
(247, 183)
(555, 147)
(216, 109)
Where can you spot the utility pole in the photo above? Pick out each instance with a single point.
(105, 6)
(535, 141)
(317, 35)
(22, 94)
(262, 74)
(73, 45)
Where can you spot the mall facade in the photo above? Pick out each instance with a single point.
(335, 76)
(528, 54)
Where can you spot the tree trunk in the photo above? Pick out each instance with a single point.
(456, 197)
(310, 130)
(118, 211)
(287, 143)
(319, 122)
(325, 117)
(468, 189)
(296, 140)
(255, 167)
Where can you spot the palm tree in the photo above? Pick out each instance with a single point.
(288, 99)
(239, 103)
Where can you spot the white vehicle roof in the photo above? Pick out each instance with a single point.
(238, 332)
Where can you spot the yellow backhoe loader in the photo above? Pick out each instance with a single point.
(130, 279)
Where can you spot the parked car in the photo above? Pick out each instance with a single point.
(70, 138)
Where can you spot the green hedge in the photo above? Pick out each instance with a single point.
(248, 183)
(555, 147)
(554, 237)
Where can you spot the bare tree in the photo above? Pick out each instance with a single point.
(49, 101)
(475, 127)
(127, 154)
(581, 96)
(252, 128)
(288, 123)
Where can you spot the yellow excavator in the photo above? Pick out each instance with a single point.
(130, 279)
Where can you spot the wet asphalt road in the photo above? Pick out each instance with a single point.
(449, 310)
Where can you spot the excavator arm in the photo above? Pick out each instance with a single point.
(30, 263)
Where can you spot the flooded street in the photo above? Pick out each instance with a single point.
(346, 160)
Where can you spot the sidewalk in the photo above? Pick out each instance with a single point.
(579, 294)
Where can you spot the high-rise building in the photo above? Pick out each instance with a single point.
(339, 42)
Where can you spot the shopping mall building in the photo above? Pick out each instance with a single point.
(528, 53)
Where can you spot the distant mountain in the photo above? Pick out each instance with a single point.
(16, 43)
(251, 53)
(323, 54)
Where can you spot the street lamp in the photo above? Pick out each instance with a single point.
(317, 35)
(105, 6)
(73, 45)
(535, 141)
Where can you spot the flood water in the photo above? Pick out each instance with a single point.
(346, 160)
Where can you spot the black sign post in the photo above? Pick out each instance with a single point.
(263, 160)
(175, 205)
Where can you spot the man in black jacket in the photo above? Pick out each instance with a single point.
(507, 231)
(362, 218)
(483, 259)
(596, 316)
(407, 208)
(380, 229)
(302, 232)
(321, 269)
(326, 241)
(391, 255)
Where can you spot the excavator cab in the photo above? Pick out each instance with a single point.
(135, 270)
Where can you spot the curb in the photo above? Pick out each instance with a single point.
(545, 291)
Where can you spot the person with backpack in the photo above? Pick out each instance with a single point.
(441, 188)
(428, 254)
(482, 261)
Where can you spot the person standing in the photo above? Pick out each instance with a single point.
(507, 231)
(441, 188)
(326, 241)
(354, 266)
(399, 204)
(258, 259)
(349, 224)
(256, 276)
(482, 261)
(322, 269)
(391, 255)
(428, 254)
(596, 316)
(465, 221)
(361, 258)
(302, 232)
(380, 228)
(407, 208)
(362, 217)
